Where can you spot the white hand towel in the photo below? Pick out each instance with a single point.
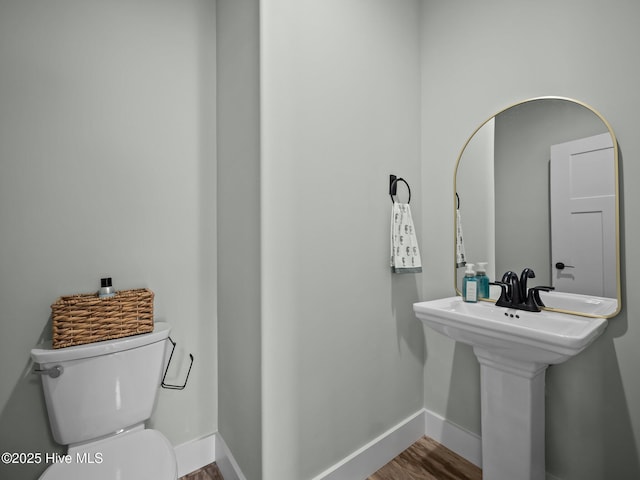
(405, 255)
(461, 259)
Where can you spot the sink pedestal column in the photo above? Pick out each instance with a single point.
(513, 417)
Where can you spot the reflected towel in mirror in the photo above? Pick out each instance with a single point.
(461, 259)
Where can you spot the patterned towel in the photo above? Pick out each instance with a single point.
(405, 255)
(461, 259)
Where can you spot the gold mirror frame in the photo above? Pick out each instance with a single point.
(617, 200)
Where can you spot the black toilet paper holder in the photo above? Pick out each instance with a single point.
(167, 385)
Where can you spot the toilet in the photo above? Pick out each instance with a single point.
(98, 397)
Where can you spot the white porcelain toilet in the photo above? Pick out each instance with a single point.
(98, 397)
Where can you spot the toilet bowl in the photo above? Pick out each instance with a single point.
(145, 454)
(98, 397)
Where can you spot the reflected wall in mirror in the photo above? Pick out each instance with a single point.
(537, 187)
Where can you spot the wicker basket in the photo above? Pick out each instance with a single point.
(86, 318)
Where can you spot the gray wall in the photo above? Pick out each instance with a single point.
(342, 352)
(479, 57)
(238, 203)
(107, 167)
(117, 98)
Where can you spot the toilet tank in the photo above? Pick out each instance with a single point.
(104, 387)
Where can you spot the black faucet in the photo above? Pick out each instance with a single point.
(510, 293)
(526, 274)
(514, 293)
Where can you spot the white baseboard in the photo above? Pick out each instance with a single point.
(377, 453)
(227, 465)
(195, 454)
(359, 464)
(463, 442)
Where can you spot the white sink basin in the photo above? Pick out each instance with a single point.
(514, 348)
(587, 304)
(542, 337)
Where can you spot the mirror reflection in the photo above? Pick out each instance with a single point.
(537, 187)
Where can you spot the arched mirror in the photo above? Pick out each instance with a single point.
(537, 186)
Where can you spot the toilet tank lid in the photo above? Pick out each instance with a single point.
(45, 353)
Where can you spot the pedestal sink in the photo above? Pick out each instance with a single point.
(514, 348)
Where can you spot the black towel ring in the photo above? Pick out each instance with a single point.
(393, 184)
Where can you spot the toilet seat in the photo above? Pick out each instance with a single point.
(142, 454)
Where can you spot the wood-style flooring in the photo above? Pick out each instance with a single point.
(428, 460)
(210, 472)
(424, 460)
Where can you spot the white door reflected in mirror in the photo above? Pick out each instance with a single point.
(583, 198)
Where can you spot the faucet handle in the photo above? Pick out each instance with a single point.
(503, 300)
(534, 294)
